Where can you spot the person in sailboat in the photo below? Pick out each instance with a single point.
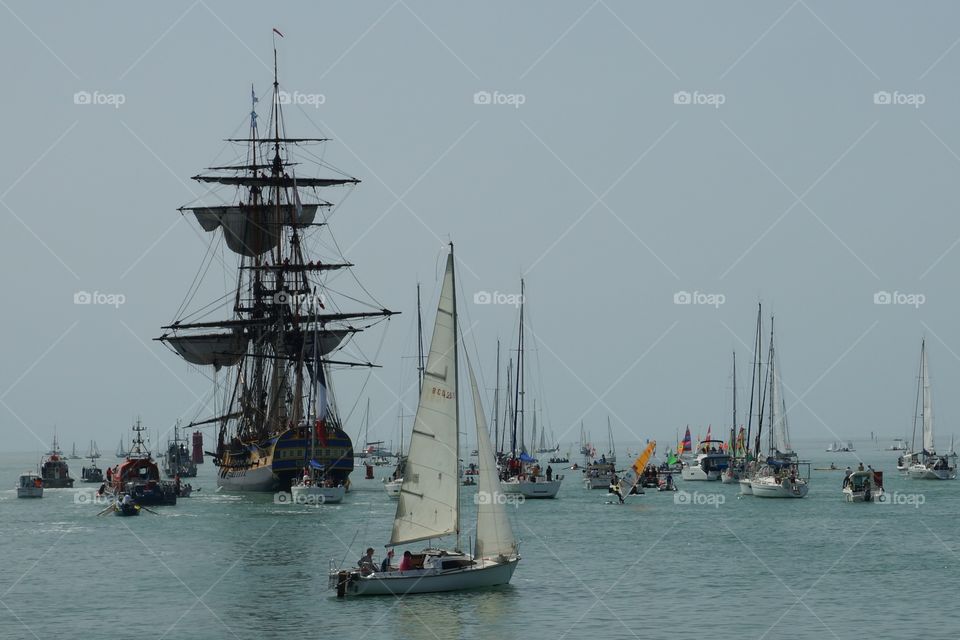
(549, 473)
(385, 565)
(406, 564)
(366, 563)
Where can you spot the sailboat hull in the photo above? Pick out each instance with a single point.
(922, 472)
(767, 488)
(533, 490)
(746, 488)
(486, 573)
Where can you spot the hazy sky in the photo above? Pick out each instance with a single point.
(802, 154)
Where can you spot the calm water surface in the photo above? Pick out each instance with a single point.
(239, 566)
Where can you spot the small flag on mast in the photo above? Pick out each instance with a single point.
(277, 32)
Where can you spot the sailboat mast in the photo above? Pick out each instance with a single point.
(733, 425)
(772, 412)
(496, 406)
(456, 392)
(918, 404)
(518, 399)
(753, 380)
(419, 341)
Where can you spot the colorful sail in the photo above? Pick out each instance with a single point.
(686, 445)
(632, 476)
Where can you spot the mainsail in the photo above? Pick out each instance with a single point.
(494, 535)
(428, 505)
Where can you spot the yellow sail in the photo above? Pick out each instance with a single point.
(631, 479)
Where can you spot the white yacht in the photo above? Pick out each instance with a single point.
(29, 485)
(864, 486)
(710, 463)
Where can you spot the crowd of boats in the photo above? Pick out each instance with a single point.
(278, 428)
(133, 483)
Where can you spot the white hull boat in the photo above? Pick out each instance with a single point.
(746, 488)
(770, 487)
(474, 575)
(528, 489)
(309, 494)
(29, 485)
(256, 479)
(393, 488)
(864, 486)
(923, 472)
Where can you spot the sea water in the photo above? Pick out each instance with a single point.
(701, 564)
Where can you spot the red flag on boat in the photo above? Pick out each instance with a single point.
(321, 430)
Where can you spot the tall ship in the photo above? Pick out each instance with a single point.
(284, 328)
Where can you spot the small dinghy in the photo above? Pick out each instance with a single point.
(120, 509)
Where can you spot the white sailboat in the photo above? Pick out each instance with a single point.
(780, 477)
(524, 475)
(429, 503)
(926, 464)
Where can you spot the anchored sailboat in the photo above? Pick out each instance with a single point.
(781, 476)
(523, 474)
(926, 464)
(284, 327)
(429, 501)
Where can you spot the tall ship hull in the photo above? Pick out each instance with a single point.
(274, 464)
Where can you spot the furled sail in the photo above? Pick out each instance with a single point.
(216, 349)
(428, 505)
(252, 230)
(494, 535)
